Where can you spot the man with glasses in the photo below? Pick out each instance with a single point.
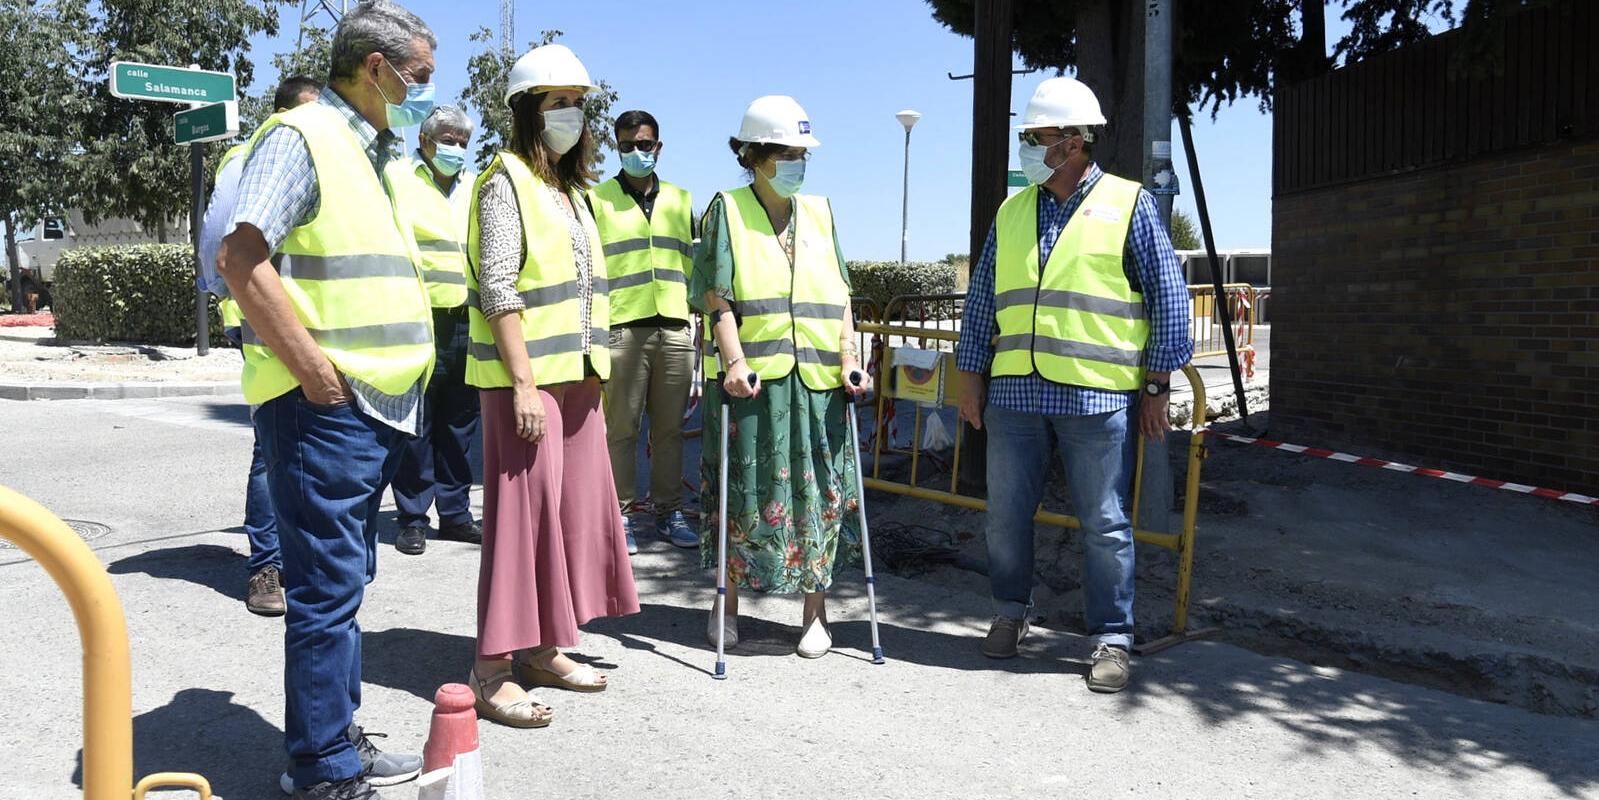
(647, 227)
(1076, 310)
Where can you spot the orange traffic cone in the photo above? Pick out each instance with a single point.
(452, 766)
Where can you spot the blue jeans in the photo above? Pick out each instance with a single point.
(436, 466)
(1097, 452)
(327, 467)
(260, 524)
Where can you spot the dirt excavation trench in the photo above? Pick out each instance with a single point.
(1486, 594)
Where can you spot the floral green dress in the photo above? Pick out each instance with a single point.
(791, 497)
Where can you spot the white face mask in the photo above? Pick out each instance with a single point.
(1032, 158)
(563, 127)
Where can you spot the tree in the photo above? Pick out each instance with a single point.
(1223, 50)
(37, 133)
(130, 166)
(312, 59)
(486, 79)
(1184, 233)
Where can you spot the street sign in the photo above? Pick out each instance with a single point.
(1015, 179)
(134, 81)
(207, 123)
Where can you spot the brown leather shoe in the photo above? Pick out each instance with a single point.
(1109, 670)
(264, 594)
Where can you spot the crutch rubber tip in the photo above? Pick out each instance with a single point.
(877, 655)
(721, 671)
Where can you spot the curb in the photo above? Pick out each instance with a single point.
(131, 390)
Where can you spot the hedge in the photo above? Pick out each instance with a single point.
(883, 281)
(129, 293)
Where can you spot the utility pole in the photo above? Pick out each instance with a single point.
(907, 118)
(1159, 177)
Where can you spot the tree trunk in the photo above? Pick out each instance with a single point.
(161, 231)
(1110, 59)
(19, 304)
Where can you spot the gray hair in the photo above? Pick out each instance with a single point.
(447, 118)
(377, 26)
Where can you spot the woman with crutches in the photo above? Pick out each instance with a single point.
(770, 277)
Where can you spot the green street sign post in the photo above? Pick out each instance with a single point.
(207, 123)
(134, 81)
(213, 114)
(1015, 179)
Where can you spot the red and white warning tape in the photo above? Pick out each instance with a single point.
(1537, 491)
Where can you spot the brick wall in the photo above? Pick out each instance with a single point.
(1450, 315)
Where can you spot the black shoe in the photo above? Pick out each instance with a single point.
(352, 789)
(412, 541)
(469, 532)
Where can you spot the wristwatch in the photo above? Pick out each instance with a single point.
(1155, 388)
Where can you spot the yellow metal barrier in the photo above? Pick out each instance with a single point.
(107, 678)
(1181, 542)
(1206, 327)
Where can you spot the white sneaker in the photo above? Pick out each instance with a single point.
(729, 630)
(816, 641)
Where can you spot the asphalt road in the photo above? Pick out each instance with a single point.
(166, 478)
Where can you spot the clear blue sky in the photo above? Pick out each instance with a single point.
(852, 65)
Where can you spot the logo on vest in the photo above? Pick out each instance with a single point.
(1103, 214)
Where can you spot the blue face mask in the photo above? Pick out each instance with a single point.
(448, 158)
(416, 106)
(638, 163)
(789, 178)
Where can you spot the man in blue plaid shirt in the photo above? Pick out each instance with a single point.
(1077, 315)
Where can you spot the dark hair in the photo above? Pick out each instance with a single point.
(570, 172)
(637, 119)
(755, 154)
(288, 94)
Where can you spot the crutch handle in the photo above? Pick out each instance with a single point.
(755, 381)
(855, 377)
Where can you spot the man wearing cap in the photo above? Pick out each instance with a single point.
(647, 226)
(1075, 319)
(434, 189)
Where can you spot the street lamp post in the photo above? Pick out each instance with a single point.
(908, 119)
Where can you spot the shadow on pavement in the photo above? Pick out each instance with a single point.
(415, 661)
(213, 566)
(236, 413)
(203, 731)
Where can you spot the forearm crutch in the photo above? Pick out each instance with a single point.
(721, 528)
(855, 378)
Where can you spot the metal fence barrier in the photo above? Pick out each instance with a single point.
(1206, 326)
(107, 672)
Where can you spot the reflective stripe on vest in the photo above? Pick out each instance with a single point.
(434, 223)
(1077, 321)
(648, 259)
(789, 316)
(552, 322)
(350, 273)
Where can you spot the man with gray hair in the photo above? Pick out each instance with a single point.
(436, 467)
(338, 347)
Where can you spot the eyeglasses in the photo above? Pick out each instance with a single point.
(642, 145)
(1034, 139)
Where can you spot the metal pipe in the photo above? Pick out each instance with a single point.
(202, 304)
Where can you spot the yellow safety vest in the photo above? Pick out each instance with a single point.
(788, 315)
(648, 258)
(227, 307)
(548, 283)
(350, 273)
(436, 225)
(1077, 321)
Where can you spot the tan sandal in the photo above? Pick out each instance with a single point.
(583, 679)
(516, 714)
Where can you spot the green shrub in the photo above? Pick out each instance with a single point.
(129, 293)
(883, 281)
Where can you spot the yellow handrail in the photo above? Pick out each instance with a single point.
(107, 673)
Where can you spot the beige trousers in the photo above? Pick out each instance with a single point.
(651, 369)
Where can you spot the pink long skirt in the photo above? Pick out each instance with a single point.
(554, 556)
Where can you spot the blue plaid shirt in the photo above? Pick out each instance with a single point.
(278, 192)
(1165, 301)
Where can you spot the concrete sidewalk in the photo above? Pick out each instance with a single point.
(34, 365)
(938, 721)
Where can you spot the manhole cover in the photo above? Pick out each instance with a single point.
(87, 531)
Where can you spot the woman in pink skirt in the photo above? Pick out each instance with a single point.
(554, 556)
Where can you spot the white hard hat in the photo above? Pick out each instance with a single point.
(1062, 103)
(551, 66)
(777, 119)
